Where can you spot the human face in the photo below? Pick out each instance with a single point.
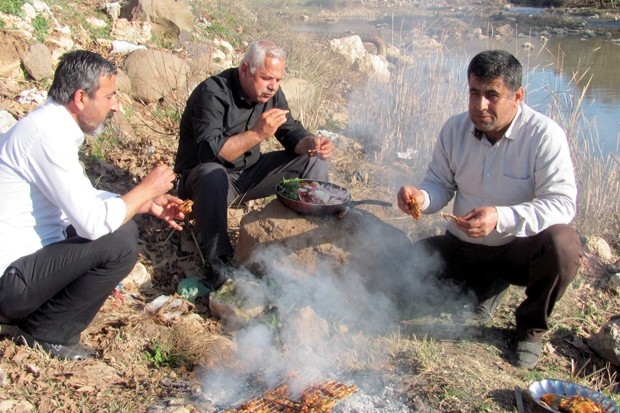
(101, 107)
(263, 84)
(492, 106)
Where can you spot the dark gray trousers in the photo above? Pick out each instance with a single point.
(212, 188)
(55, 293)
(545, 264)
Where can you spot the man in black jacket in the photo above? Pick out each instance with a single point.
(226, 119)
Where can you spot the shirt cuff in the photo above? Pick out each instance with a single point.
(427, 199)
(116, 212)
(506, 221)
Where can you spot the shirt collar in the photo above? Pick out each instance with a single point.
(66, 121)
(239, 92)
(478, 134)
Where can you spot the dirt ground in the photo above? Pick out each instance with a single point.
(158, 361)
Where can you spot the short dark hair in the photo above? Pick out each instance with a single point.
(79, 69)
(493, 64)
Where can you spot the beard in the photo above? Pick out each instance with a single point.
(93, 128)
(98, 130)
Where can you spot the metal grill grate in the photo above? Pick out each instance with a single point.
(316, 398)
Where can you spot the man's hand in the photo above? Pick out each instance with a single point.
(404, 198)
(319, 146)
(479, 222)
(150, 196)
(158, 182)
(269, 122)
(165, 207)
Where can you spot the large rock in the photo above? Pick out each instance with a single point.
(6, 121)
(606, 342)
(598, 247)
(374, 67)
(155, 74)
(352, 49)
(132, 31)
(358, 243)
(167, 15)
(12, 47)
(38, 61)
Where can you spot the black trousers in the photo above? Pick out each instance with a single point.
(545, 264)
(212, 188)
(55, 293)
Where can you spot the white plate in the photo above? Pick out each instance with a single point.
(565, 388)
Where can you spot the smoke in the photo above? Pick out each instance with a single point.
(323, 319)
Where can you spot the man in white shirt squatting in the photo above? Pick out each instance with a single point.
(509, 170)
(64, 244)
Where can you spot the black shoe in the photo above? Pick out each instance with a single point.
(8, 330)
(219, 271)
(526, 354)
(63, 352)
(484, 310)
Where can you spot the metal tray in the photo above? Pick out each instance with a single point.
(568, 389)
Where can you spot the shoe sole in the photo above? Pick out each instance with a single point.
(8, 330)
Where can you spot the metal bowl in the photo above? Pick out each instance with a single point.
(310, 208)
(568, 389)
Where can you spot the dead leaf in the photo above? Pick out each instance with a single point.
(85, 389)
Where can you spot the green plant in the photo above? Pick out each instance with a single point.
(41, 26)
(98, 146)
(161, 355)
(13, 7)
(168, 117)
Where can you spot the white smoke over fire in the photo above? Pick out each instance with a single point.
(323, 320)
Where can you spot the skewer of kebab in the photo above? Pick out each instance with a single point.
(448, 216)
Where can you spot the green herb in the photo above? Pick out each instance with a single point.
(288, 188)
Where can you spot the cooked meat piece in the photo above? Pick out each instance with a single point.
(415, 208)
(186, 206)
(579, 404)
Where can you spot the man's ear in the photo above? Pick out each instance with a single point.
(78, 98)
(244, 69)
(519, 95)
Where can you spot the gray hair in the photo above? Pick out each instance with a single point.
(258, 51)
(79, 69)
(494, 64)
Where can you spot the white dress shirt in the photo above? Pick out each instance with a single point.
(43, 186)
(527, 175)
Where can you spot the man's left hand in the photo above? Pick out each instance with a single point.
(165, 207)
(479, 222)
(320, 146)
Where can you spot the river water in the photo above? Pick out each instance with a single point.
(586, 66)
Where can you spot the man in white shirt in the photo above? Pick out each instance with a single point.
(64, 244)
(509, 170)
